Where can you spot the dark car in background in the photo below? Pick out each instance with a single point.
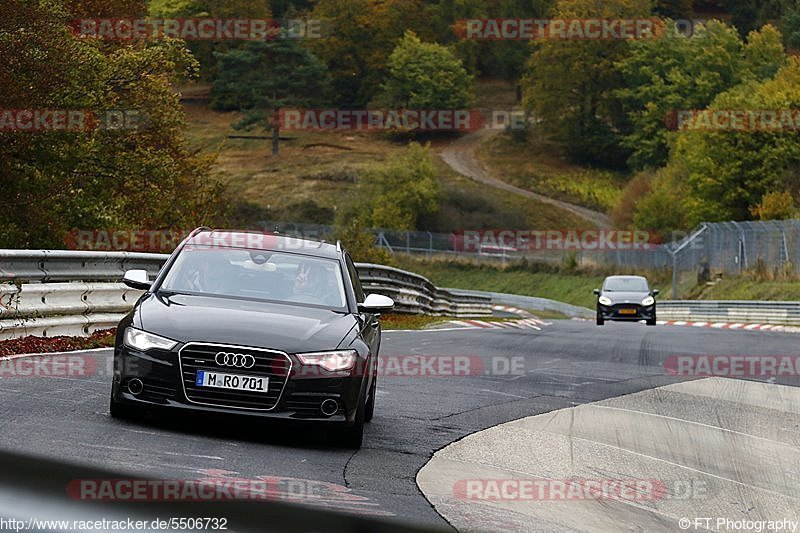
(247, 323)
(626, 298)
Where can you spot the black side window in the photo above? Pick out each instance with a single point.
(351, 270)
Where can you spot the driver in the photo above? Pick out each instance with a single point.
(206, 276)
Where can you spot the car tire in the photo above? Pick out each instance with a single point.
(600, 320)
(353, 436)
(369, 410)
(652, 321)
(124, 412)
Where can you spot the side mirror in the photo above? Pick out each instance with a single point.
(136, 279)
(596, 292)
(655, 292)
(376, 303)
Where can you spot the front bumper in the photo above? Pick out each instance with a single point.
(626, 312)
(296, 392)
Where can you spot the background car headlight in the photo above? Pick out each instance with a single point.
(649, 301)
(604, 301)
(331, 361)
(141, 340)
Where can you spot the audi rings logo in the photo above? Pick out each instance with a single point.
(238, 360)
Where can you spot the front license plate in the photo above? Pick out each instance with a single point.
(221, 380)
(627, 311)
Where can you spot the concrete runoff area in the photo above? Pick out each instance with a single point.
(712, 454)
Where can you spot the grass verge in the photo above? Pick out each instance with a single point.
(746, 288)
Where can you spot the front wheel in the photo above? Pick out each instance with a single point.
(651, 322)
(353, 436)
(600, 320)
(369, 411)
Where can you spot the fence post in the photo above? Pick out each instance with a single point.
(675, 275)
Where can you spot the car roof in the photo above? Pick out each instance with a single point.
(626, 277)
(257, 240)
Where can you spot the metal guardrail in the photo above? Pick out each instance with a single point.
(58, 292)
(735, 311)
(531, 303)
(761, 312)
(413, 293)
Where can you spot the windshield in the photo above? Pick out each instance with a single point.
(257, 274)
(626, 285)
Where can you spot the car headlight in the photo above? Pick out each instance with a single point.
(331, 361)
(605, 301)
(648, 301)
(142, 340)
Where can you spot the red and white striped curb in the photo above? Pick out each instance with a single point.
(513, 310)
(730, 325)
(525, 323)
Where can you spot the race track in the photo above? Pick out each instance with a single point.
(513, 374)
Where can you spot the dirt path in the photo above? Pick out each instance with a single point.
(460, 156)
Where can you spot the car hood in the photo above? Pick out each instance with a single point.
(289, 328)
(625, 297)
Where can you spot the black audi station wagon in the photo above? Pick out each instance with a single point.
(250, 323)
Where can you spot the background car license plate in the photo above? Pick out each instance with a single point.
(627, 311)
(221, 380)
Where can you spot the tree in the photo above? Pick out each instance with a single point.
(776, 205)
(663, 208)
(203, 50)
(675, 9)
(261, 77)
(495, 59)
(425, 76)
(728, 173)
(359, 241)
(671, 73)
(790, 25)
(396, 194)
(57, 180)
(570, 86)
(366, 32)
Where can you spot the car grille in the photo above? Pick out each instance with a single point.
(274, 364)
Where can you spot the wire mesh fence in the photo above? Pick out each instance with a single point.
(721, 247)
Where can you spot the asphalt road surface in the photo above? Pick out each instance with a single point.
(510, 374)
